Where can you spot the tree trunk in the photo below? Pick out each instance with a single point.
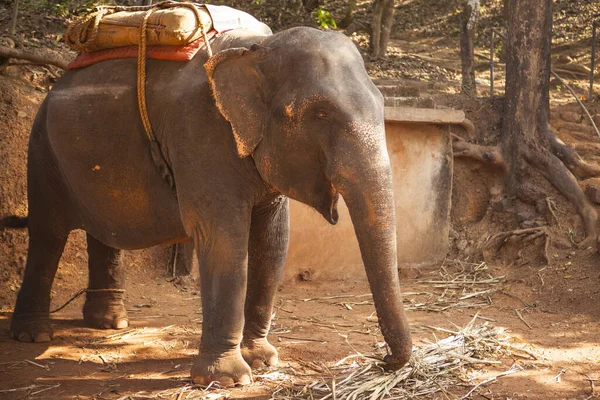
(381, 27)
(468, 26)
(13, 22)
(526, 136)
(310, 5)
(349, 17)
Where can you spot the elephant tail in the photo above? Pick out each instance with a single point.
(13, 221)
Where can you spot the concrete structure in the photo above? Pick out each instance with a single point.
(420, 147)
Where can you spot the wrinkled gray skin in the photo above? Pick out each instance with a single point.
(295, 117)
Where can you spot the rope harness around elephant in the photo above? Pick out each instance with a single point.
(141, 72)
(157, 154)
(85, 39)
(166, 31)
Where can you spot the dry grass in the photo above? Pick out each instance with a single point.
(459, 285)
(187, 392)
(435, 367)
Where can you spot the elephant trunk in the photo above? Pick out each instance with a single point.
(367, 190)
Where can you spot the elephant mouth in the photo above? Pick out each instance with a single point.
(333, 210)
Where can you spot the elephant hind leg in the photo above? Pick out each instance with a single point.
(49, 227)
(30, 321)
(104, 306)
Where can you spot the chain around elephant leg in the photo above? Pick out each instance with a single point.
(104, 306)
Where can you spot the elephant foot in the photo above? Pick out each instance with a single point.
(105, 310)
(259, 352)
(228, 369)
(32, 327)
(399, 359)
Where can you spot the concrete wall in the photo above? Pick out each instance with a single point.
(420, 151)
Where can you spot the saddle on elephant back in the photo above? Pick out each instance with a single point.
(167, 31)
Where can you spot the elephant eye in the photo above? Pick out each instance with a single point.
(322, 115)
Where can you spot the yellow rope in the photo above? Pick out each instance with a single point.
(141, 77)
(200, 26)
(81, 41)
(84, 43)
(141, 73)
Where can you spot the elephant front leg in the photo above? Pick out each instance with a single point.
(104, 306)
(268, 244)
(222, 257)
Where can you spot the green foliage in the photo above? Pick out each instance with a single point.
(60, 9)
(324, 18)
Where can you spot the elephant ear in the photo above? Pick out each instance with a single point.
(236, 83)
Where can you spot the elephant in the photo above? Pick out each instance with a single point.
(267, 118)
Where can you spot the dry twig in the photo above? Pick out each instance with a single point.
(523, 319)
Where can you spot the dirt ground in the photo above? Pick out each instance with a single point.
(552, 307)
(153, 356)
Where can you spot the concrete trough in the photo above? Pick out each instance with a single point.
(420, 147)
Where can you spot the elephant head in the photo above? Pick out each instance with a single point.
(302, 105)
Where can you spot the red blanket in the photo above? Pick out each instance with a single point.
(173, 53)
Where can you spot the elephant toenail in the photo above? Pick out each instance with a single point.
(244, 380)
(105, 325)
(24, 337)
(227, 381)
(199, 380)
(42, 337)
(121, 324)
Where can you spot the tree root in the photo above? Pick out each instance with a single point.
(552, 207)
(7, 52)
(356, 26)
(492, 155)
(555, 165)
(571, 159)
(556, 172)
(497, 241)
(487, 154)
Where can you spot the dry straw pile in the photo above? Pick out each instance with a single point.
(434, 368)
